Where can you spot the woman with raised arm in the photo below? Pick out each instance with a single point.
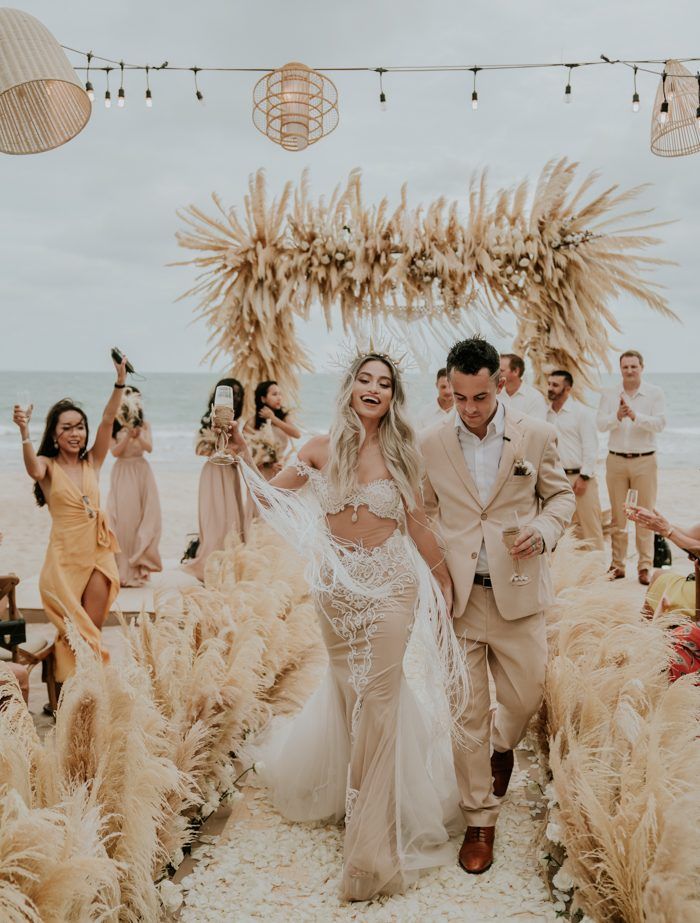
(363, 747)
(79, 580)
(133, 503)
(270, 430)
(223, 499)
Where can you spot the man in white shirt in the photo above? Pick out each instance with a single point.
(578, 451)
(438, 409)
(633, 414)
(516, 395)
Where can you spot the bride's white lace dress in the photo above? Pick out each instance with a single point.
(370, 745)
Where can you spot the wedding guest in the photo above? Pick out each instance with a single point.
(274, 427)
(439, 408)
(633, 413)
(578, 451)
(79, 579)
(223, 498)
(516, 394)
(677, 591)
(490, 467)
(133, 504)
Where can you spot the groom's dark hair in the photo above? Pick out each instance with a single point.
(471, 356)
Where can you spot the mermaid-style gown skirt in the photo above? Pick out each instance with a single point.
(362, 746)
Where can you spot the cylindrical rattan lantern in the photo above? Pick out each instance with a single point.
(295, 106)
(42, 102)
(675, 129)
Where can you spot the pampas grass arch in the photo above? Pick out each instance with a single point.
(554, 261)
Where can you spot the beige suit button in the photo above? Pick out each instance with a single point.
(484, 516)
(475, 554)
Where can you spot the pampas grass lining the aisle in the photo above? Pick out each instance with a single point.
(143, 748)
(623, 750)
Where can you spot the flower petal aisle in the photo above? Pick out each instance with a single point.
(264, 868)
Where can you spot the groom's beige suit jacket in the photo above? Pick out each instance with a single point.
(543, 499)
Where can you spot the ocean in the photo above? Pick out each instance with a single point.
(174, 404)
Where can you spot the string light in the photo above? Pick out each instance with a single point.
(121, 95)
(89, 89)
(198, 93)
(635, 95)
(108, 95)
(475, 95)
(567, 90)
(149, 96)
(663, 113)
(382, 95)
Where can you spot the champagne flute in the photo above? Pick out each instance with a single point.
(23, 400)
(222, 417)
(509, 536)
(632, 499)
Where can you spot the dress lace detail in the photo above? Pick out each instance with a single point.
(381, 497)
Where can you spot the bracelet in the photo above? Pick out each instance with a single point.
(669, 532)
(119, 386)
(27, 441)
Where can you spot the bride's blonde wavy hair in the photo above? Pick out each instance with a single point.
(397, 440)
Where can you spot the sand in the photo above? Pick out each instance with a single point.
(26, 527)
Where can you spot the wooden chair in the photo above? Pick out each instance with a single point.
(14, 646)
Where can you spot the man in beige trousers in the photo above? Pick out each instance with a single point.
(488, 469)
(633, 413)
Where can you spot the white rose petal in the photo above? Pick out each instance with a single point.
(171, 895)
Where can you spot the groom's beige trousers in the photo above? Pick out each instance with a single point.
(515, 651)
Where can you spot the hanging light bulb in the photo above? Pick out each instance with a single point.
(663, 111)
(475, 95)
(382, 95)
(108, 95)
(121, 95)
(89, 89)
(197, 92)
(635, 95)
(149, 96)
(567, 90)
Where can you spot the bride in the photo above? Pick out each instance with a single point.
(365, 747)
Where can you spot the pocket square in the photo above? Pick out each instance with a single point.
(523, 468)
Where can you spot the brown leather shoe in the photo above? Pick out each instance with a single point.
(616, 573)
(643, 577)
(476, 854)
(501, 769)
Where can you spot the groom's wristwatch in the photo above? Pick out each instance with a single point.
(585, 477)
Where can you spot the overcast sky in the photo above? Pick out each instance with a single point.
(87, 230)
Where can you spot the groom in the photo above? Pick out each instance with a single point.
(490, 468)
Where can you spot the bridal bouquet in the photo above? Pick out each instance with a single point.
(262, 446)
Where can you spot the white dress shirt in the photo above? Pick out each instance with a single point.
(577, 437)
(483, 456)
(431, 414)
(526, 400)
(638, 435)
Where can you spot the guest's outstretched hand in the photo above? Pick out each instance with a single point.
(528, 544)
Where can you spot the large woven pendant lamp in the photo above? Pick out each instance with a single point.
(42, 102)
(295, 106)
(675, 128)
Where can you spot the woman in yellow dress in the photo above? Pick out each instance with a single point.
(79, 580)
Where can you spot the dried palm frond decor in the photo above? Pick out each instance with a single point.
(295, 106)
(42, 102)
(622, 747)
(142, 748)
(553, 260)
(675, 126)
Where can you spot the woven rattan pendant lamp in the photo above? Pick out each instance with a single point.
(42, 102)
(675, 128)
(295, 106)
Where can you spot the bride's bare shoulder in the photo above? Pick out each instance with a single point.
(315, 451)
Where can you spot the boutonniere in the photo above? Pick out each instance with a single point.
(523, 468)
